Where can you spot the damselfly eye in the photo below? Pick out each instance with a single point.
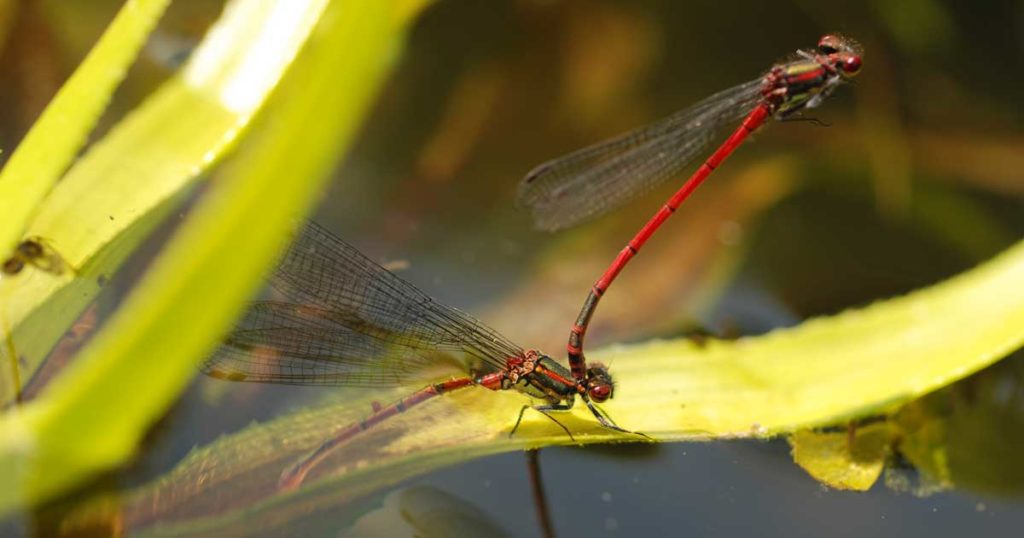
(829, 44)
(851, 65)
(600, 392)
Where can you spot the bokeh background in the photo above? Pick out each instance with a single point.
(918, 175)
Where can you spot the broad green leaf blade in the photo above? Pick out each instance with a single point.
(59, 133)
(87, 422)
(825, 371)
(146, 160)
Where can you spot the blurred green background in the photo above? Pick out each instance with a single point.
(919, 176)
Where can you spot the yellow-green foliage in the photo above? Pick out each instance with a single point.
(92, 416)
(826, 371)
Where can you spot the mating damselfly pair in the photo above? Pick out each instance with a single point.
(346, 321)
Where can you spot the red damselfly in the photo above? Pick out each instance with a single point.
(591, 181)
(347, 321)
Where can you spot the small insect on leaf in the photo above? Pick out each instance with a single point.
(38, 253)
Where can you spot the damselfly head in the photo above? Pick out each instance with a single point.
(833, 43)
(843, 53)
(600, 386)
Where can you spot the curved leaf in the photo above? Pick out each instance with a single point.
(86, 420)
(60, 131)
(144, 162)
(825, 371)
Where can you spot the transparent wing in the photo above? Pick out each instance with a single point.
(350, 322)
(593, 180)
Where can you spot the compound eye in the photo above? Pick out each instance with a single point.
(600, 392)
(851, 65)
(829, 44)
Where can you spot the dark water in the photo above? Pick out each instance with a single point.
(890, 198)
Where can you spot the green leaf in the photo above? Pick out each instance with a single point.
(129, 177)
(59, 133)
(87, 421)
(847, 460)
(826, 371)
